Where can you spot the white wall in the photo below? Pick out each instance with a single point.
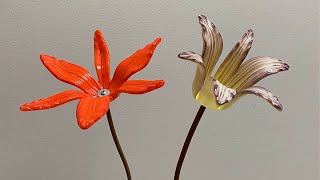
(249, 141)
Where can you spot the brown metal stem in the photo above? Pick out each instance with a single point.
(117, 143)
(187, 141)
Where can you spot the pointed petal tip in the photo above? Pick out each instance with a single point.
(45, 57)
(279, 107)
(274, 101)
(161, 83)
(156, 41)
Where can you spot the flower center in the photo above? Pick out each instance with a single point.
(103, 92)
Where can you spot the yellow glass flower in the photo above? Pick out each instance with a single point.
(233, 78)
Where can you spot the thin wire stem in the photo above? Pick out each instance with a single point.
(187, 141)
(117, 143)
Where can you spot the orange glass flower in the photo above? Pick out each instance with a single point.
(96, 96)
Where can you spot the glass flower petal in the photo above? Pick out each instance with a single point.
(255, 69)
(201, 70)
(206, 96)
(132, 64)
(53, 101)
(223, 94)
(140, 86)
(91, 109)
(264, 93)
(212, 44)
(101, 59)
(235, 58)
(71, 74)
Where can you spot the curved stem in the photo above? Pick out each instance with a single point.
(117, 143)
(187, 141)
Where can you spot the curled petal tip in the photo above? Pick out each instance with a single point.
(193, 57)
(278, 107)
(202, 17)
(285, 66)
(250, 32)
(185, 55)
(263, 93)
(274, 101)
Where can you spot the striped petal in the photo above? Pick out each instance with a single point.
(212, 44)
(223, 94)
(263, 93)
(101, 59)
(235, 58)
(215, 95)
(132, 64)
(200, 72)
(91, 109)
(255, 69)
(140, 86)
(71, 74)
(53, 101)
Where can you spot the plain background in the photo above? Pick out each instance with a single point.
(249, 141)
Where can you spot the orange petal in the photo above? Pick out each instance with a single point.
(53, 101)
(71, 74)
(101, 59)
(132, 64)
(140, 86)
(91, 109)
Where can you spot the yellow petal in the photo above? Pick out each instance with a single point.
(200, 72)
(263, 93)
(215, 95)
(254, 70)
(212, 44)
(235, 57)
